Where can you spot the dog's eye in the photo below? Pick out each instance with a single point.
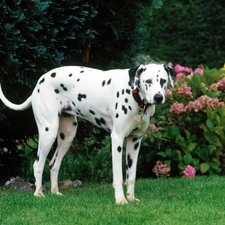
(149, 81)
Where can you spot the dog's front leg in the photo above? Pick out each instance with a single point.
(117, 146)
(132, 151)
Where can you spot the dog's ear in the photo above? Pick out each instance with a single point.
(171, 74)
(134, 74)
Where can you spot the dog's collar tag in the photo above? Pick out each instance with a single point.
(142, 112)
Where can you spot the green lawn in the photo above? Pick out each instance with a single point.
(174, 201)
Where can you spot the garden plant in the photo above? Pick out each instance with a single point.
(189, 128)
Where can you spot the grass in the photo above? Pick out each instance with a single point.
(174, 201)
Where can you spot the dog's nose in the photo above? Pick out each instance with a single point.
(158, 98)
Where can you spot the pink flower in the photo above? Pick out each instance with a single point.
(99, 151)
(170, 64)
(185, 91)
(154, 128)
(189, 171)
(179, 75)
(177, 108)
(187, 69)
(221, 84)
(178, 68)
(199, 71)
(168, 94)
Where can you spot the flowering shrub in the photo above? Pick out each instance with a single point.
(189, 127)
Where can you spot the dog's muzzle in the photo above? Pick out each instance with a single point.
(158, 98)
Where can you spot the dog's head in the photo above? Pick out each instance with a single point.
(151, 81)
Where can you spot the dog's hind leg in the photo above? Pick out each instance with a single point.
(66, 134)
(132, 150)
(47, 137)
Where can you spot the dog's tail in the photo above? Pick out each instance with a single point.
(13, 106)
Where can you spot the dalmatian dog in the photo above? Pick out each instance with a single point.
(122, 101)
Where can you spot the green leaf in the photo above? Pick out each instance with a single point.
(195, 161)
(214, 165)
(163, 154)
(191, 146)
(187, 159)
(204, 167)
(209, 124)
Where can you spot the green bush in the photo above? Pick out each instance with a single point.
(187, 32)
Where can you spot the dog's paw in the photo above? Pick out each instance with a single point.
(57, 193)
(39, 194)
(131, 198)
(121, 201)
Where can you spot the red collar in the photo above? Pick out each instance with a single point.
(137, 98)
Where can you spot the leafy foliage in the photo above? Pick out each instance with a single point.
(190, 126)
(187, 32)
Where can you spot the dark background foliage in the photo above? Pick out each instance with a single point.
(187, 32)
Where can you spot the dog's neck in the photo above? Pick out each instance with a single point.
(137, 98)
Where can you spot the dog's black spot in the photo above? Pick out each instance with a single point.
(128, 91)
(129, 107)
(37, 158)
(157, 75)
(79, 113)
(78, 80)
(75, 124)
(124, 109)
(117, 115)
(109, 81)
(60, 102)
(42, 81)
(53, 75)
(162, 82)
(123, 92)
(126, 100)
(73, 103)
(38, 90)
(134, 139)
(62, 135)
(146, 86)
(46, 129)
(117, 94)
(70, 75)
(80, 96)
(98, 121)
(92, 112)
(63, 87)
(129, 161)
(136, 129)
(129, 83)
(103, 83)
(136, 146)
(119, 149)
(59, 114)
(116, 105)
(102, 120)
(81, 71)
(127, 176)
(64, 114)
(56, 91)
